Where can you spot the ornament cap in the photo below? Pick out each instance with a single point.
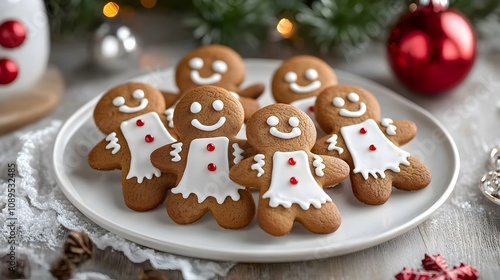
(436, 4)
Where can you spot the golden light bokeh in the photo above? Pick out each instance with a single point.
(148, 3)
(110, 9)
(285, 27)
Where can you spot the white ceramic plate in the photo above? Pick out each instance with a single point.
(98, 194)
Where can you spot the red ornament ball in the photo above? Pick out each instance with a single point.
(8, 71)
(432, 49)
(12, 34)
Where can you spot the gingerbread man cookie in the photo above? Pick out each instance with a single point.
(299, 80)
(369, 145)
(221, 66)
(207, 119)
(289, 176)
(132, 117)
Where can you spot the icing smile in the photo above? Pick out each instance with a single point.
(212, 79)
(126, 109)
(351, 114)
(293, 121)
(196, 123)
(119, 102)
(305, 89)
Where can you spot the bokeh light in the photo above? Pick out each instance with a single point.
(285, 27)
(110, 9)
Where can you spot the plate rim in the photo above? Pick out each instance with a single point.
(75, 121)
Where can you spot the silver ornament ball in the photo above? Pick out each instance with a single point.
(114, 47)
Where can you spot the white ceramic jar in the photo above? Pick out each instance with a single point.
(24, 45)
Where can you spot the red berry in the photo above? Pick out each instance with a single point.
(311, 109)
(363, 131)
(149, 138)
(372, 148)
(291, 161)
(8, 71)
(139, 122)
(210, 147)
(212, 167)
(294, 181)
(12, 34)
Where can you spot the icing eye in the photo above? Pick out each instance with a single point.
(119, 101)
(196, 63)
(273, 121)
(353, 97)
(219, 66)
(218, 105)
(311, 74)
(195, 107)
(338, 102)
(293, 121)
(290, 77)
(138, 94)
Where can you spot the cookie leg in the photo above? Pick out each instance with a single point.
(416, 176)
(147, 195)
(275, 221)
(323, 220)
(234, 214)
(372, 191)
(185, 210)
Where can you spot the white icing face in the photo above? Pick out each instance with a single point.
(119, 102)
(353, 97)
(273, 121)
(217, 105)
(310, 74)
(196, 63)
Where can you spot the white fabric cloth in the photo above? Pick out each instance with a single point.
(44, 213)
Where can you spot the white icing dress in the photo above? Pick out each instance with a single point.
(371, 151)
(307, 106)
(144, 134)
(302, 190)
(207, 171)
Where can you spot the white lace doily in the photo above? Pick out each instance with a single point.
(44, 213)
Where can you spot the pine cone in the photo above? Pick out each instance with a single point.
(63, 269)
(78, 247)
(152, 275)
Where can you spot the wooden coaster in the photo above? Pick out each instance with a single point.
(35, 103)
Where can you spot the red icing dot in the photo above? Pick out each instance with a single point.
(372, 148)
(139, 122)
(210, 147)
(291, 161)
(12, 34)
(8, 71)
(294, 181)
(311, 109)
(212, 167)
(149, 138)
(363, 131)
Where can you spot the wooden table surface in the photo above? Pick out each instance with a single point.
(465, 229)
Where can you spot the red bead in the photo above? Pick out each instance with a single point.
(372, 148)
(291, 161)
(212, 167)
(210, 147)
(149, 138)
(12, 34)
(311, 109)
(294, 181)
(363, 131)
(139, 122)
(8, 71)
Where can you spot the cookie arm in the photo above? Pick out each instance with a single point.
(401, 132)
(329, 171)
(331, 145)
(243, 174)
(252, 91)
(101, 157)
(170, 98)
(170, 158)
